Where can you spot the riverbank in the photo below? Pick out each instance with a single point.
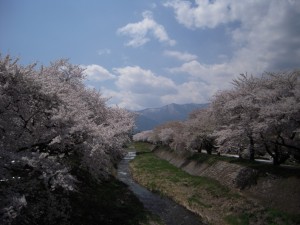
(214, 202)
(164, 209)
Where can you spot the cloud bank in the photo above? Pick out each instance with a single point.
(265, 34)
(264, 37)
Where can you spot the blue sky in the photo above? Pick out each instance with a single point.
(149, 53)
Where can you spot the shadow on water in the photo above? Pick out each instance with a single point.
(170, 212)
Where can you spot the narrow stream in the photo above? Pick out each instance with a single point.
(170, 212)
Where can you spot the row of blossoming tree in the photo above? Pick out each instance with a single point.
(258, 116)
(48, 121)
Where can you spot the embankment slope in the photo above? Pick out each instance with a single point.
(277, 188)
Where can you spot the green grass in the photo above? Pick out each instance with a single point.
(191, 191)
(262, 167)
(204, 158)
(276, 217)
(271, 217)
(196, 199)
(206, 194)
(240, 219)
(163, 170)
(141, 146)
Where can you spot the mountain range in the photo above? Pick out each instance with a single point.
(148, 118)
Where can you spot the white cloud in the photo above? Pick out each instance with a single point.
(265, 35)
(139, 88)
(132, 101)
(270, 40)
(139, 32)
(182, 56)
(193, 91)
(140, 81)
(97, 73)
(217, 76)
(122, 99)
(209, 14)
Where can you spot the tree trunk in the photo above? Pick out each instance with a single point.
(276, 156)
(251, 148)
(208, 146)
(275, 160)
(199, 149)
(209, 150)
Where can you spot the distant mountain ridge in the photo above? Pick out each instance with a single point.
(147, 119)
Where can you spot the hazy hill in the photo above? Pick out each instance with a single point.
(147, 119)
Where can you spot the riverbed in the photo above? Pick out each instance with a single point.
(170, 212)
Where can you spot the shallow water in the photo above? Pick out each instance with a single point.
(169, 211)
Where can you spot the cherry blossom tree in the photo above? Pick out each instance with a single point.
(144, 136)
(48, 117)
(166, 136)
(260, 114)
(199, 128)
(171, 134)
(277, 128)
(235, 111)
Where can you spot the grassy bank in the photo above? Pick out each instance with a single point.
(204, 196)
